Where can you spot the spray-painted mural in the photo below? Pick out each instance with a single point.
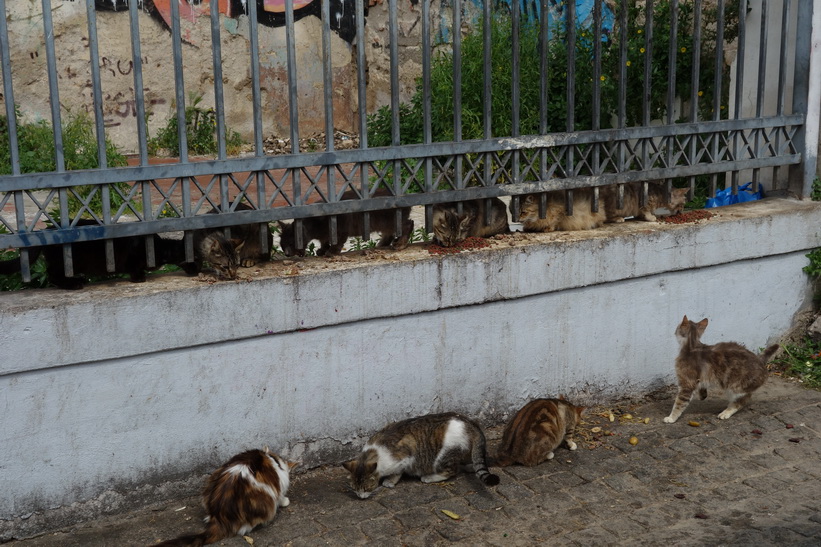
(269, 12)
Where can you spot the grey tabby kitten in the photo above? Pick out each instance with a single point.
(727, 366)
(556, 217)
(225, 255)
(451, 228)
(433, 447)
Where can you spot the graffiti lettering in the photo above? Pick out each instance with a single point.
(119, 67)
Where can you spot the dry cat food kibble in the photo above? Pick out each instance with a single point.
(688, 216)
(464, 245)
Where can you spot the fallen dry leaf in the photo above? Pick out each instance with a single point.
(796, 439)
(679, 496)
(757, 432)
(451, 514)
(595, 429)
(701, 516)
(249, 539)
(694, 423)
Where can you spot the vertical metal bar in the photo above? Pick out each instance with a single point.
(396, 139)
(762, 74)
(99, 125)
(219, 97)
(672, 59)
(57, 127)
(622, 114)
(782, 75)
(544, 36)
(719, 71)
(457, 87)
(327, 79)
(14, 147)
(362, 96)
(739, 84)
(597, 75)
(426, 106)
(256, 98)
(570, 22)
(806, 97)
(515, 91)
(695, 79)
(142, 131)
(293, 112)
(648, 65)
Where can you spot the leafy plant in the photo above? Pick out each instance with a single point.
(815, 193)
(803, 361)
(200, 131)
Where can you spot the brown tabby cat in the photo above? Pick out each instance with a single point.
(726, 365)
(537, 430)
(347, 225)
(242, 494)
(583, 218)
(632, 199)
(451, 228)
(226, 255)
(433, 447)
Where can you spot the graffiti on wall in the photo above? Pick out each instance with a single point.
(270, 13)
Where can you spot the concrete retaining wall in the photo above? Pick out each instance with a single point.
(119, 388)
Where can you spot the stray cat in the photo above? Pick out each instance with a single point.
(632, 199)
(226, 255)
(451, 228)
(537, 430)
(726, 365)
(89, 259)
(347, 225)
(433, 447)
(242, 494)
(556, 218)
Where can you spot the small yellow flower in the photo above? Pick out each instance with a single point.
(722, 107)
(642, 50)
(700, 93)
(628, 63)
(684, 50)
(602, 78)
(638, 31)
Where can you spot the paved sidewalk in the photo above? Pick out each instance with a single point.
(750, 480)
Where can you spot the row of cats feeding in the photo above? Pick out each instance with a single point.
(247, 490)
(455, 226)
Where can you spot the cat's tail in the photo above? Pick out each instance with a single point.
(212, 534)
(479, 458)
(767, 353)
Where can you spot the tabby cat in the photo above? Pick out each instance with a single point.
(225, 255)
(89, 259)
(631, 204)
(242, 494)
(726, 365)
(537, 430)
(433, 447)
(347, 225)
(556, 218)
(451, 227)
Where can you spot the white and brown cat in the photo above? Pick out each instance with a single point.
(727, 366)
(242, 494)
(433, 447)
(631, 203)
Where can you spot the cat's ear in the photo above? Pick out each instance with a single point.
(685, 320)
(291, 465)
(702, 325)
(266, 450)
(579, 410)
(350, 466)
(238, 244)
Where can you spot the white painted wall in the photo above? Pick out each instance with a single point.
(124, 386)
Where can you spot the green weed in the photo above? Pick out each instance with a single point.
(803, 362)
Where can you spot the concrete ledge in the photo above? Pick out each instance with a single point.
(48, 328)
(120, 386)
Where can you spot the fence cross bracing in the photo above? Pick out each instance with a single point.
(628, 91)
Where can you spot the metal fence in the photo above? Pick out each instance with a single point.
(603, 72)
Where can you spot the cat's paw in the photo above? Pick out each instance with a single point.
(247, 262)
(726, 414)
(550, 456)
(284, 502)
(571, 445)
(668, 420)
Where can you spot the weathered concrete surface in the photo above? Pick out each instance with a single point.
(734, 482)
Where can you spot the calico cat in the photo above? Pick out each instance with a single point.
(726, 365)
(225, 255)
(451, 228)
(242, 494)
(537, 430)
(556, 218)
(347, 225)
(89, 259)
(631, 204)
(433, 447)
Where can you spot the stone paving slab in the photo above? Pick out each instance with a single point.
(736, 482)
